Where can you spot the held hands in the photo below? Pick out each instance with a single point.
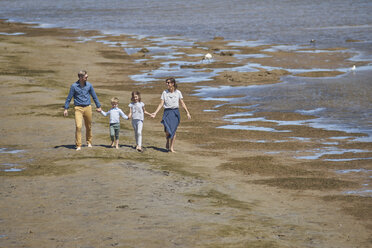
(153, 115)
(98, 110)
(188, 116)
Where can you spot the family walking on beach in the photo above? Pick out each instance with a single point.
(82, 91)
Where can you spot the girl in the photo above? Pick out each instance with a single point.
(136, 112)
(170, 99)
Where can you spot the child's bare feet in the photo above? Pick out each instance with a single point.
(138, 148)
(112, 144)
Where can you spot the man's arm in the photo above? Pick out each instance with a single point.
(68, 100)
(95, 98)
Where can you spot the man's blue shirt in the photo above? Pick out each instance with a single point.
(81, 95)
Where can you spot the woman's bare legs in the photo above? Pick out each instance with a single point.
(170, 142)
(167, 137)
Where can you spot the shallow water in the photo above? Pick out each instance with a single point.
(286, 22)
(343, 104)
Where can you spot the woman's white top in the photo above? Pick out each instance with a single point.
(171, 99)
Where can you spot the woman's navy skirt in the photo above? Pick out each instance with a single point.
(171, 120)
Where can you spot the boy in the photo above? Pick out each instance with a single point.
(115, 114)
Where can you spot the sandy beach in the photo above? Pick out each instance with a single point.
(221, 188)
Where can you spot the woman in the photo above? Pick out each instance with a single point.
(170, 99)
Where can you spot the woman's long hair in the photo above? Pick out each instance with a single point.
(173, 81)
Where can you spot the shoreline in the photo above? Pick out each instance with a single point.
(236, 190)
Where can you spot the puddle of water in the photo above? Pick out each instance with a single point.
(330, 143)
(164, 57)
(161, 50)
(316, 51)
(353, 171)
(10, 167)
(282, 48)
(216, 99)
(363, 139)
(301, 139)
(239, 114)
(9, 164)
(346, 159)
(11, 34)
(13, 170)
(247, 43)
(367, 192)
(253, 128)
(173, 69)
(132, 50)
(113, 43)
(342, 137)
(272, 152)
(6, 150)
(250, 56)
(318, 153)
(141, 60)
(161, 41)
(219, 105)
(311, 111)
(195, 55)
(263, 119)
(210, 110)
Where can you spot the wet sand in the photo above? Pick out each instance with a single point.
(223, 188)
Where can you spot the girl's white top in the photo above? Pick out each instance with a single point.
(171, 99)
(137, 110)
(115, 114)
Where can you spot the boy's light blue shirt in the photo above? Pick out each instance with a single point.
(115, 114)
(81, 95)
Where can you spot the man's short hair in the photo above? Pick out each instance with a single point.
(115, 100)
(82, 73)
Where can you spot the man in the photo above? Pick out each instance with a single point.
(81, 90)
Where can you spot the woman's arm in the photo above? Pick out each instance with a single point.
(153, 115)
(144, 111)
(184, 106)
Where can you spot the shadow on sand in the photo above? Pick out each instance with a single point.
(71, 147)
(157, 149)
